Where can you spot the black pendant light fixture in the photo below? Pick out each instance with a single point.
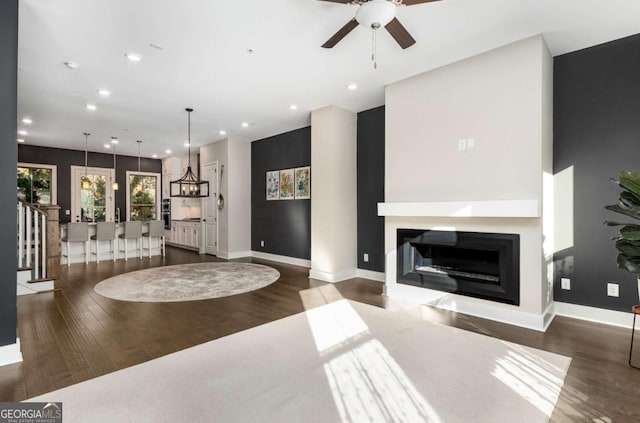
(189, 186)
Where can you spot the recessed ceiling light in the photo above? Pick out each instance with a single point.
(293, 106)
(223, 132)
(245, 124)
(104, 92)
(114, 140)
(27, 121)
(107, 146)
(20, 140)
(352, 86)
(22, 132)
(72, 65)
(168, 151)
(91, 107)
(134, 57)
(155, 156)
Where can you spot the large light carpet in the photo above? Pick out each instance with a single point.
(343, 361)
(187, 282)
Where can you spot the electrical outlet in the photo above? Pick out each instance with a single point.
(565, 283)
(67, 212)
(470, 143)
(366, 257)
(613, 290)
(462, 144)
(262, 243)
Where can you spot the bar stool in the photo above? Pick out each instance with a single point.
(156, 230)
(636, 311)
(105, 231)
(132, 230)
(77, 232)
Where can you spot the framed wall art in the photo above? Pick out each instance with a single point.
(303, 183)
(273, 185)
(287, 184)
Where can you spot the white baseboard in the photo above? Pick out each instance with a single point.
(237, 254)
(370, 274)
(472, 306)
(35, 287)
(332, 277)
(282, 259)
(10, 354)
(593, 314)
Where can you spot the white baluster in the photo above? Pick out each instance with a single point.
(20, 234)
(28, 246)
(44, 245)
(36, 257)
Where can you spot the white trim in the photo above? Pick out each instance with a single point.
(369, 274)
(472, 306)
(332, 277)
(109, 173)
(282, 259)
(593, 314)
(10, 354)
(497, 208)
(54, 177)
(158, 177)
(233, 255)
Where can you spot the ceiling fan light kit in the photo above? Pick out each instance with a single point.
(374, 14)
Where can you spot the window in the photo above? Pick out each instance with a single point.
(37, 183)
(91, 194)
(143, 192)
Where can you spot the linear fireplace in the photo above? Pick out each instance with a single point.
(476, 264)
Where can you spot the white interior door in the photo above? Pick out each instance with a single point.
(210, 209)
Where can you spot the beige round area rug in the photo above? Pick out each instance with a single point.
(187, 282)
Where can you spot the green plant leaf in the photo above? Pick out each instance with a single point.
(629, 199)
(628, 247)
(616, 208)
(630, 264)
(611, 223)
(630, 232)
(630, 181)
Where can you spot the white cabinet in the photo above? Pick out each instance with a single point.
(185, 234)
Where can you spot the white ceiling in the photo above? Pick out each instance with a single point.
(205, 63)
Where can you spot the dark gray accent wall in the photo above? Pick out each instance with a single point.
(284, 226)
(64, 159)
(597, 133)
(370, 181)
(8, 128)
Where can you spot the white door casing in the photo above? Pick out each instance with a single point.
(210, 209)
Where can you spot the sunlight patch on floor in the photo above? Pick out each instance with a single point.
(534, 381)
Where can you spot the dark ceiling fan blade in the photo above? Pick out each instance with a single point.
(343, 1)
(400, 33)
(350, 26)
(409, 2)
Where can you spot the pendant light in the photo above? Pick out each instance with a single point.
(139, 187)
(86, 184)
(189, 185)
(114, 141)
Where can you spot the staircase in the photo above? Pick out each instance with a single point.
(34, 256)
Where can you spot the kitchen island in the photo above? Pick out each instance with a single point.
(106, 248)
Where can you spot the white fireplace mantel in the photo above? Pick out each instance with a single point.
(493, 208)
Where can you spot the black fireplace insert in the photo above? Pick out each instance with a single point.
(476, 264)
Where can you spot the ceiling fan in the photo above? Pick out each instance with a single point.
(375, 14)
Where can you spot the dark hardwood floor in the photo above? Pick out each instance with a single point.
(75, 334)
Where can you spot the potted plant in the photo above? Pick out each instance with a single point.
(628, 239)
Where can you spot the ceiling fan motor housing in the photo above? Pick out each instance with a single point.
(376, 13)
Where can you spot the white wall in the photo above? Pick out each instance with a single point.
(501, 99)
(238, 172)
(333, 188)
